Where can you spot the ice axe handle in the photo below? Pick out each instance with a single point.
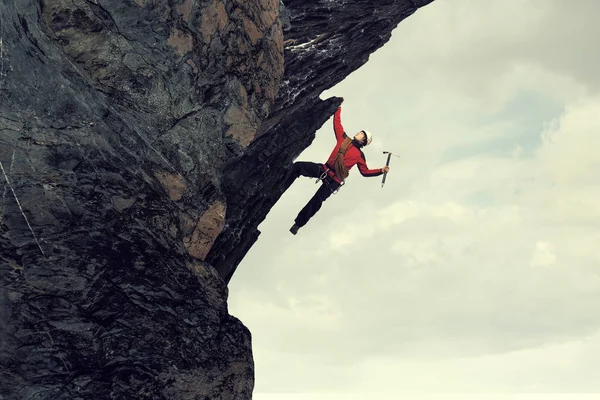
(387, 164)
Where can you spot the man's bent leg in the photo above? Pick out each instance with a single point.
(306, 168)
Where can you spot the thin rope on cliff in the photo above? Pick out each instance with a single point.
(333, 173)
(1, 55)
(2, 74)
(19, 204)
(12, 161)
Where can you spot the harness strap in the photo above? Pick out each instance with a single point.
(323, 177)
(339, 167)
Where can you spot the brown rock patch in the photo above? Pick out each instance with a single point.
(214, 19)
(208, 227)
(173, 183)
(185, 9)
(180, 41)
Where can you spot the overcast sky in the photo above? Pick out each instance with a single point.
(476, 268)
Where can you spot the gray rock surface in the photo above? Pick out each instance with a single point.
(141, 144)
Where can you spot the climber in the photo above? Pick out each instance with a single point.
(333, 173)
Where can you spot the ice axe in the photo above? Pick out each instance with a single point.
(387, 164)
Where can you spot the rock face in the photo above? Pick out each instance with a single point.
(141, 144)
(324, 42)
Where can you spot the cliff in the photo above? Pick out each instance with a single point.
(325, 41)
(141, 144)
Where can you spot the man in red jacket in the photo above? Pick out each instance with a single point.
(335, 170)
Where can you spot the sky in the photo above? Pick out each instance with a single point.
(475, 268)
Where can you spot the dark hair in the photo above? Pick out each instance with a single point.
(359, 143)
(364, 141)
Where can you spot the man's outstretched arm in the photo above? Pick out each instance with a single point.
(365, 171)
(338, 129)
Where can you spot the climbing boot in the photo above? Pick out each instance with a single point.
(294, 229)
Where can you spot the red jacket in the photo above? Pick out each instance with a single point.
(353, 155)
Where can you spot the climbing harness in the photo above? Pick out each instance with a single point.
(340, 169)
(323, 177)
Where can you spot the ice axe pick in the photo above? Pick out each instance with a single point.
(387, 164)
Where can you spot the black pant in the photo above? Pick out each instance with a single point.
(328, 186)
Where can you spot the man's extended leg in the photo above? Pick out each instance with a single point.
(314, 204)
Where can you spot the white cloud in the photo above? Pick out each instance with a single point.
(571, 145)
(543, 255)
(554, 363)
(481, 46)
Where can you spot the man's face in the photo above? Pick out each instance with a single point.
(360, 136)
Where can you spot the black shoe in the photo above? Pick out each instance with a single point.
(294, 229)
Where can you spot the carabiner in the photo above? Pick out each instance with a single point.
(322, 176)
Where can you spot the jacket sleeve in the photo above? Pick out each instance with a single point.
(338, 129)
(364, 169)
